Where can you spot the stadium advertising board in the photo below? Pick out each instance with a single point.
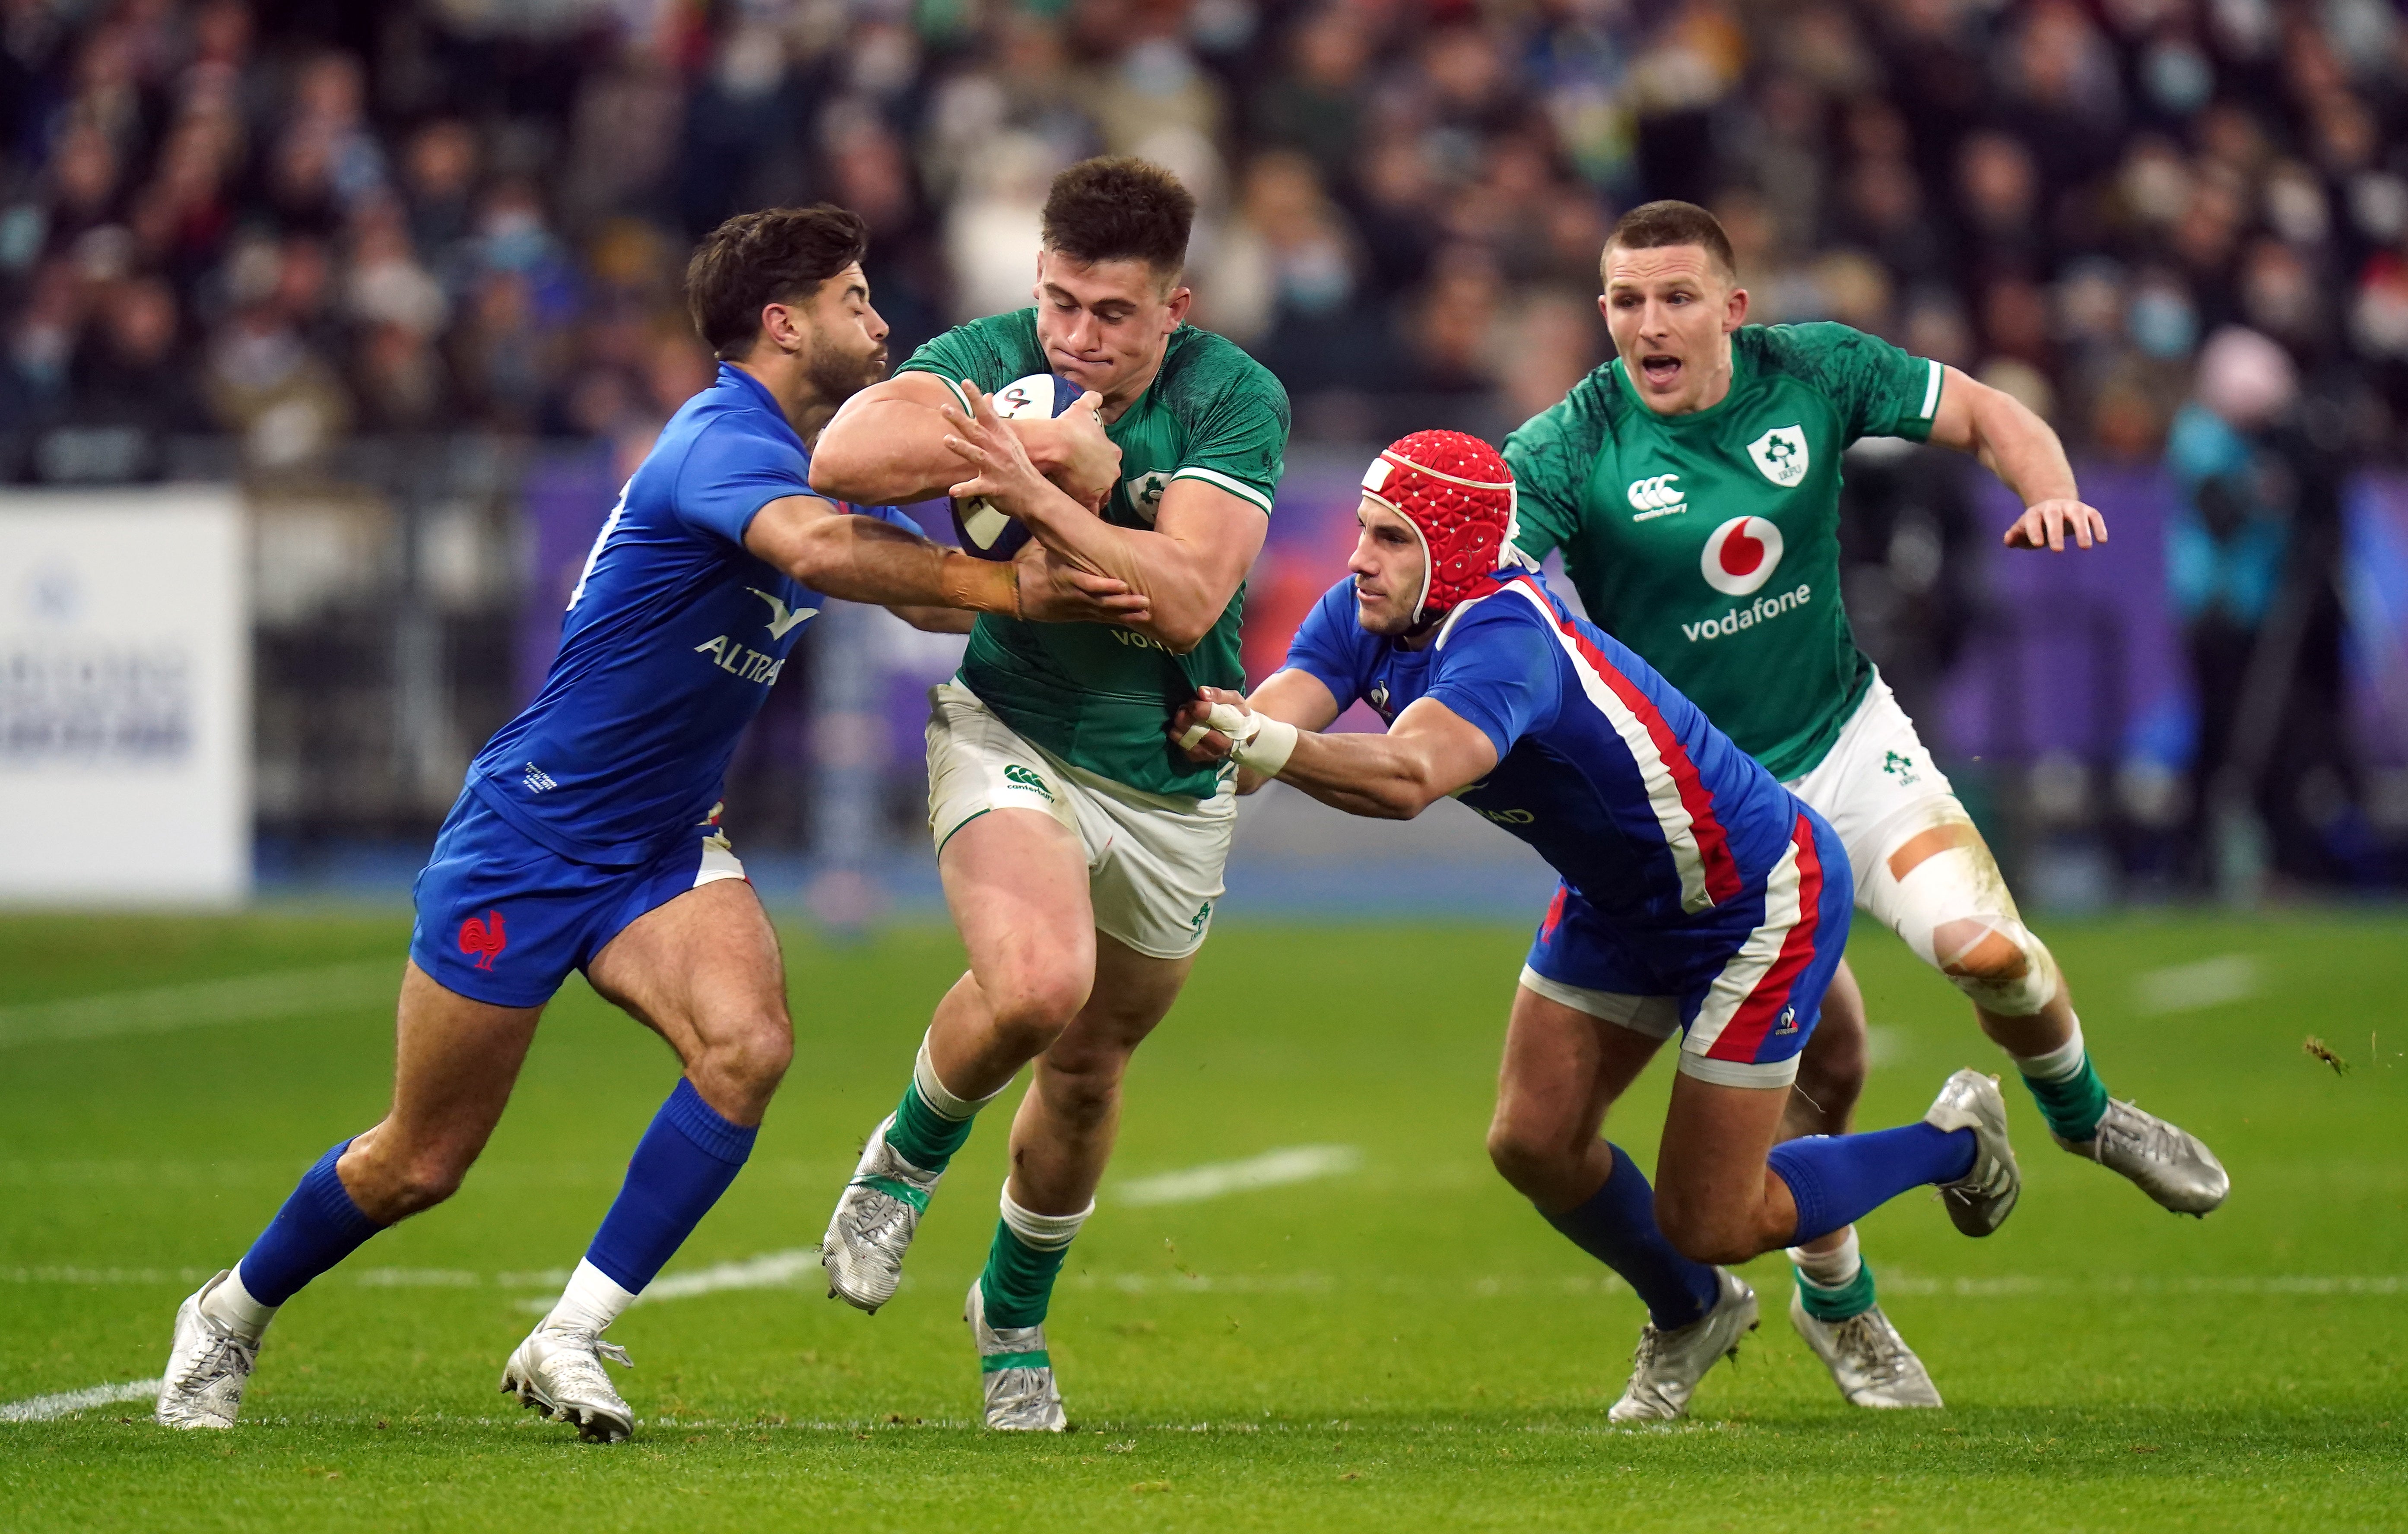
(124, 698)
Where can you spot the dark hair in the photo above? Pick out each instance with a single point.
(1653, 225)
(1119, 209)
(776, 255)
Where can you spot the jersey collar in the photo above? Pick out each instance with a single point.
(733, 377)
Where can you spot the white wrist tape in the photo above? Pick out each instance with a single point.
(1255, 740)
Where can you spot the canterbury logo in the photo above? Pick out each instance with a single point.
(782, 618)
(1657, 494)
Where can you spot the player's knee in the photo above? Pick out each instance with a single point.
(423, 1180)
(1526, 1156)
(1084, 1087)
(1996, 961)
(1032, 1004)
(752, 1058)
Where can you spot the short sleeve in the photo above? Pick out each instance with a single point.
(1329, 645)
(1880, 390)
(983, 351)
(1499, 670)
(1551, 456)
(1239, 440)
(730, 473)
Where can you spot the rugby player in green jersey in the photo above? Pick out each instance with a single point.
(1693, 486)
(1080, 854)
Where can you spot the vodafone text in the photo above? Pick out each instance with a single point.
(1763, 609)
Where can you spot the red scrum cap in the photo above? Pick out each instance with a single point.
(1459, 494)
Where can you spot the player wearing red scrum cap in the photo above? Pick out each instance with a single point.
(1698, 898)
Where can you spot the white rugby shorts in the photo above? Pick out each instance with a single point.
(1878, 786)
(1154, 861)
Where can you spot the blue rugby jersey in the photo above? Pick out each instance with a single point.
(672, 642)
(1603, 768)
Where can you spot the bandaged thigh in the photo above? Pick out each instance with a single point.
(1952, 906)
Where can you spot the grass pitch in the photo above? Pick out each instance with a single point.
(1398, 1342)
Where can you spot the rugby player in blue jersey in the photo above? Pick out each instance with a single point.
(1698, 897)
(587, 837)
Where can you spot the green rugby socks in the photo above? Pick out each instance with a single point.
(2072, 1096)
(931, 1123)
(1835, 1285)
(1022, 1265)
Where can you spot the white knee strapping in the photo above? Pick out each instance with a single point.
(1045, 1232)
(1951, 907)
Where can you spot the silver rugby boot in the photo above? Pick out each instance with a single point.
(558, 1372)
(1980, 1202)
(1868, 1360)
(1666, 1368)
(208, 1367)
(1016, 1372)
(2168, 1162)
(875, 1219)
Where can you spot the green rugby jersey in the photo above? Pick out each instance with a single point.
(1710, 543)
(1095, 694)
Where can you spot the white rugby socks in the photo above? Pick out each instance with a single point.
(230, 1305)
(592, 1301)
(1832, 1269)
(2057, 1064)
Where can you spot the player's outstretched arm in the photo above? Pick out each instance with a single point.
(1203, 541)
(861, 559)
(886, 447)
(1429, 754)
(2018, 447)
(1290, 696)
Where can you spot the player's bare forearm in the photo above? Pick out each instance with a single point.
(1187, 568)
(936, 620)
(2013, 442)
(887, 445)
(1430, 752)
(861, 559)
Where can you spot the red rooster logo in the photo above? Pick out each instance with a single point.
(483, 939)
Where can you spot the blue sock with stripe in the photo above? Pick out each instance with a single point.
(1838, 1180)
(683, 1163)
(1617, 1227)
(318, 1228)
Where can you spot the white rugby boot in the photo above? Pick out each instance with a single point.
(558, 1372)
(1016, 1372)
(1868, 1360)
(208, 1367)
(1980, 1202)
(875, 1219)
(1666, 1370)
(2170, 1164)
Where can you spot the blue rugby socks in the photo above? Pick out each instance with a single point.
(1617, 1227)
(1025, 1259)
(2072, 1096)
(683, 1163)
(318, 1228)
(1836, 1180)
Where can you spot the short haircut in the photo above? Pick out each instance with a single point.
(1651, 226)
(779, 255)
(1118, 208)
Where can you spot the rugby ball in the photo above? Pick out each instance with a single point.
(985, 531)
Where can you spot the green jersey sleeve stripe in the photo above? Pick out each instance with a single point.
(1235, 487)
(1930, 392)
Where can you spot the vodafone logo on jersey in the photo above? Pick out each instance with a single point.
(1740, 555)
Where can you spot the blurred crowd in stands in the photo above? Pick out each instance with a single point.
(294, 220)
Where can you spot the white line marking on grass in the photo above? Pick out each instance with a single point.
(2193, 987)
(44, 1408)
(166, 1008)
(1271, 1170)
(770, 1270)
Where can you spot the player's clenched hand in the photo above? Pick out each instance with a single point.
(1081, 460)
(2045, 524)
(1053, 590)
(1193, 728)
(1005, 474)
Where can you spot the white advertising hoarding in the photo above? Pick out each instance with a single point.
(124, 698)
